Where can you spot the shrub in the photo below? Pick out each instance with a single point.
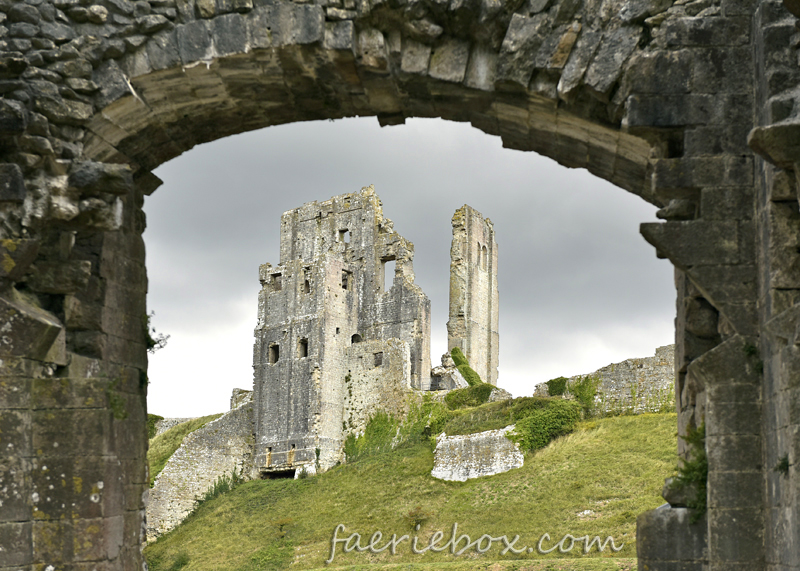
(693, 472)
(474, 395)
(556, 387)
(152, 420)
(542, 425)
(416, 517)
(584, 390)
(423, 421)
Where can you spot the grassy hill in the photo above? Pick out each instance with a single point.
(594, 482)
(163, 446)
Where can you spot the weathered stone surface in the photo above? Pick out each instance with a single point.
(219, 448)
(60, 277)
(12, 183)
(665, 537)
(27, 330)
(92, 178)
(474, 312)
(463, 457)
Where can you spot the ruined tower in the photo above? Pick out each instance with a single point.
(473, 323)
(339, 336)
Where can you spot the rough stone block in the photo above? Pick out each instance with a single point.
(415, 57)
(92, 178)
(60, 277)
(649, 111)
(738, 535)
(230, 34)
(29, 331)
(694, 242)
(607, 64)
(60, 393)
(726, 203)
(13, 117)
(481, 69)
(340, 36)
(112, 82)
(298, 24)
(665, 539)
(704, 32)
(733, 418)
(62, 433)
(16, 256)
(661, 72)
(729, 453)
(581, 54)
(162, 51)
(449, 61)
(734, 489)
(259, 22)
(16, 539)
(516, 60)
(194, 41)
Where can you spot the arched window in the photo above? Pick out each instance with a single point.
(484, 257)
(355, 339)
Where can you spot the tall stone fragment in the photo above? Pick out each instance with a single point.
(474, 299)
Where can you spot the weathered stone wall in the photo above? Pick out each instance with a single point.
(166, 423)
(473, 326)
(462, 457)
(660, 99)
(220, 447)
(635, 386)
(378, 380)
(328, 295)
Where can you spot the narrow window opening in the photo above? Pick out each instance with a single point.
(302, 348)
(306, 286)
(346, 279)
(276, 282)
(337, 331)
(484, 258)
(355, 339)
(388, 268)
(378, 359)
(290, 458)
(344, 236)
(274, 353)
(269, 456)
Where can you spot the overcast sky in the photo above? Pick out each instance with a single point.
(579, 287)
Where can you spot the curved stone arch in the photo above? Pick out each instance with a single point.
(655, 98)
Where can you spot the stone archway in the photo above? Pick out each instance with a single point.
(655, 98)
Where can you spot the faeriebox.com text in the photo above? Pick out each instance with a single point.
(460, 544)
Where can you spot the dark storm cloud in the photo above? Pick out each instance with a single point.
(572, 264)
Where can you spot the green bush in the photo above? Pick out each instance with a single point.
(542, 425)
(557, 387)
(492, 416)
(693, 472)
(424, 420)
(584, 390)
(473, 395)
(152, 419)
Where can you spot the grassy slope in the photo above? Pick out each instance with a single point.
(614, 467)
(164, 445)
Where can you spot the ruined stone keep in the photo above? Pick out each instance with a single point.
(692, 106)
(338, 336)
(474, 301)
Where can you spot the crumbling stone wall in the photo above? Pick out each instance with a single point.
(466, 456)
(219, 448)
(329, 294)
(635, 386)
(665, 100)
(473, 326)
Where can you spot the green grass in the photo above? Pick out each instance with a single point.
(164, 445)
(614, 467)
(152, 420)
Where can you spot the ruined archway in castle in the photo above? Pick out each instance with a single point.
(654, 98)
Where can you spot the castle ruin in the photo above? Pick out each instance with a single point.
(474, 300)
(341, 336)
